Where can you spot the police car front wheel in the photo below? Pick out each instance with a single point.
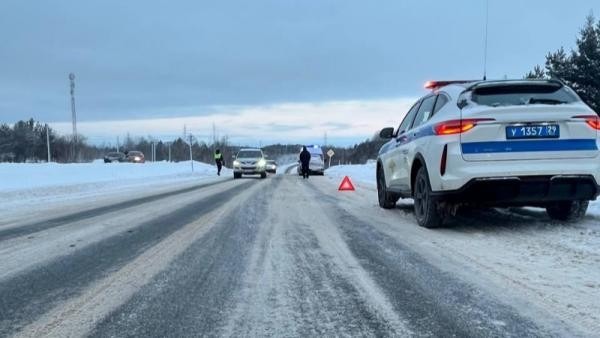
(387, 200)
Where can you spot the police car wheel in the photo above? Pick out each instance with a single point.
(426, 207)
(570, 211)
(386, 199)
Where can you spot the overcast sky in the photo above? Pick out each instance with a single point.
(263, 71)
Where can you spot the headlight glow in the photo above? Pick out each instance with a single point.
(236, 163)
(137, 158)
(262, 162)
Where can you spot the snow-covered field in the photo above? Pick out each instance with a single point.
(358, 173)
(17, 176)
(41, 185)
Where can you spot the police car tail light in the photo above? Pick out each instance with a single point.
(457, 126)
(592, 120)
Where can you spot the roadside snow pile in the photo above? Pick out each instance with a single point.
(365, 174)
(19, 176)
(361, 173)
(594, 208)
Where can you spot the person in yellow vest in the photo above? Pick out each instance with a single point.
(219, 161)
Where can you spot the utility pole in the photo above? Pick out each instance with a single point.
(48, 141)
(191, 159)
(153, 151)
(170, 151)
(117, 144)
(214, 129)
(214, 138)
(73, 116)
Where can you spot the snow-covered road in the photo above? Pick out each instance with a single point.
(289, 257)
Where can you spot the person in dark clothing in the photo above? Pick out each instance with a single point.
(219, 161)
(304, 161)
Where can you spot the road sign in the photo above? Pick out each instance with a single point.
(330, 153)
(346, 185)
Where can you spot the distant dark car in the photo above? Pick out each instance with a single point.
(271, 167)
(135, 157)
(115, 157)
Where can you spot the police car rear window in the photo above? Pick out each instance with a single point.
(522, 94)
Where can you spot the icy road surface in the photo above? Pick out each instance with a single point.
(288, 257)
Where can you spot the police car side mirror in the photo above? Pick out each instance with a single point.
(386, 133)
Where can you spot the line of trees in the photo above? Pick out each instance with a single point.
(25, 141)
(580, 68)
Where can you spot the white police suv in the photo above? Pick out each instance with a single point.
(492, 143)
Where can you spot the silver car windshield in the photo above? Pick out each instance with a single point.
(249, 154)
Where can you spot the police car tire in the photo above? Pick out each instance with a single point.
(427, 212)
(387, 200)
(570, 211)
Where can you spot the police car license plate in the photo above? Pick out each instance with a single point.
(533, 131)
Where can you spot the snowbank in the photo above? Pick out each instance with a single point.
(18, 176)
(361, 173)
(594, 208)
(365, 174)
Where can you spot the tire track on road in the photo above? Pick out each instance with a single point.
(30, 294)
(301, 281)
(194, 296)
(289, 169)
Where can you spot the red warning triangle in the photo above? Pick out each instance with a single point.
(346, 184)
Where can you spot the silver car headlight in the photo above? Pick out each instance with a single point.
(236, 163)
(261, 163)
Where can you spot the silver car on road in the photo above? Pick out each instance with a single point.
(250, 161)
